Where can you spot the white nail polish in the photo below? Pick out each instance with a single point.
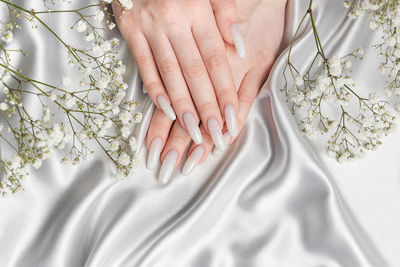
(166, 107)
(227, 138)
(231, 120)
(193, 128)
(238, 40)
(193, 160)
(154, 153)
(216, 134)
(168, 166)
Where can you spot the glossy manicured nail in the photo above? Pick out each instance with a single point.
(231, 120)
(193, 160)
(154, 153)
(166, 107)
(168, 166)
(238, 40)
(216, 134)
(227, 138)
(193, 128)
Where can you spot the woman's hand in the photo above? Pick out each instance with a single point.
(181, 57)
(262, 26)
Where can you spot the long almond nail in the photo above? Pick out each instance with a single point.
(231, 120)
(216, 134)
(193, 160)
(166, 107)
(238, 40)
(168, 166)
(193, 128)
(227, 138)
(154, 153)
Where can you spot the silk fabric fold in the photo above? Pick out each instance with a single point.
(273, 198)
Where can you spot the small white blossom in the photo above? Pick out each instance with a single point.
(81, 26)
(125, 131)
(3, 106)
(126, 118)
(133, 143)
(124, 159)
(138, 117)
(298, 80)
(8, 36)
(114, 145)
(347, 64)
(99, 16)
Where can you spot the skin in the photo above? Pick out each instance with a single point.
(262, 24)
(179, 47)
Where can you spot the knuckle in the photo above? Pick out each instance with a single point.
(217, 59)
(160, 124)
(144, 61)
(225, 95)
(180, 140)
(207, 107)
(168, 66)
(246, 99)
(181, 102)
(167, 11)
(196, 68)
(154, 86)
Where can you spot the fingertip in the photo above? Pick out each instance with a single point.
(238, 40)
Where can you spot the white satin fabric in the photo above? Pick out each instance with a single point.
(272, 199)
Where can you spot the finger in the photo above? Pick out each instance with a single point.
(157, 135)
(248, 91)
(175, 84)
(197, 153)
(147, 67)
(200, 86)
(175, 147)
(213, 52)
(226, 17)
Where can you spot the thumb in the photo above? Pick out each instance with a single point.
(226, 17)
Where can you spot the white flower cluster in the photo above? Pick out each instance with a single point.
(384, 18)
(319, 100)
(328, 105)
(96, 108)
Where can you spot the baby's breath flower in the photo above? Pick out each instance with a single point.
(3, 106)
(319, 97)
(81, 26)
(96, 108)
(8, 36)
(99, 16)
(124, 159)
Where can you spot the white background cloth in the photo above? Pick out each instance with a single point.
(272, 199)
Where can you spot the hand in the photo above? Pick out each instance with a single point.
(262, 25)
(181, 57)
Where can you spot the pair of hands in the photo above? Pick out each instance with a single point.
(186, 55)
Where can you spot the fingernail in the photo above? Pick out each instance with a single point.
(216, 134)
(193, 160)
(238, 40)
(168, 166)
(154, 153)
(193, 128)
(227, 138)
(166, 107)
(231, 120)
